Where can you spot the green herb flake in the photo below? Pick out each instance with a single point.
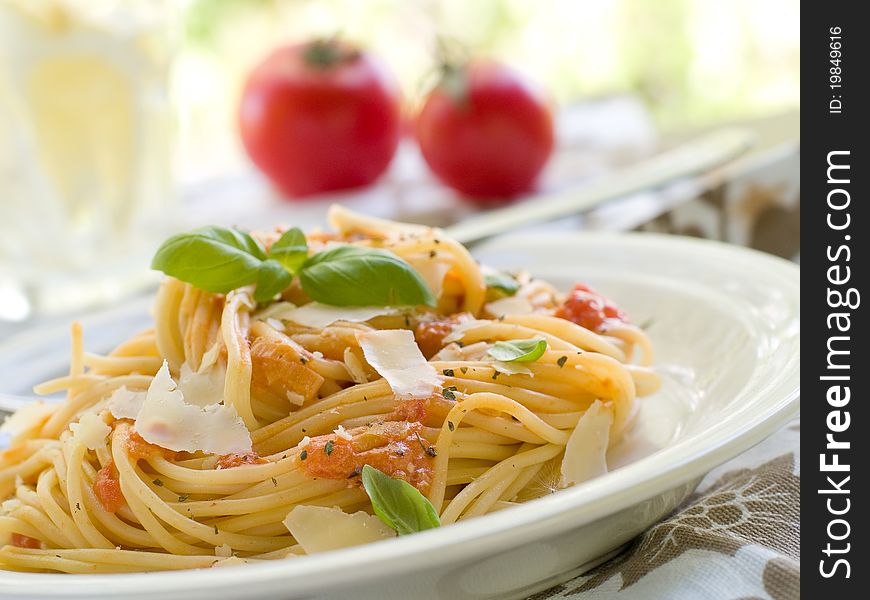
(183, 497)
(303, 455)
(449, 393)
(562, 360)
(451, 426)
(157, 482)
(397, 503)
(448, 372)
(329, 447)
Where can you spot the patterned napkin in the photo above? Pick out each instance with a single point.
(737, 537)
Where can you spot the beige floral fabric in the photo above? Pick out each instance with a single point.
(738, 537)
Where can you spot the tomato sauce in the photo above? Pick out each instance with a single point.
(414, 411)
(430, 335)
(19, 540)
(397, 448)
(107, 488)
(229, 461)
(138, 448)
(589, 309)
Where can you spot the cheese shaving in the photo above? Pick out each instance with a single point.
(166, 420)
(512, 305)
(342, 433)
(459, 330)
(125, 404)
(394, 354)
(91, 431)
(432, 271)
(318, 528)
(318, 315)
(203, 387)
(586, 451)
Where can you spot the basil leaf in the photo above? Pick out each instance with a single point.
(398, 503)
(357, 276)
(271, 279)
(518, 350)
(214, 259)
(291, 250)
(499, 285)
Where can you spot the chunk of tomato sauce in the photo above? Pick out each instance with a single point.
(19, 540)
(587, 308)
(414, 411)
(138, 448)
(430, 335)
(107, 488)
(397, 448)
(229, 461)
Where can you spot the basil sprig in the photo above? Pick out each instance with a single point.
(398, 503)
(518, 350)
(219, 260)
(291, 250)
(357, 276)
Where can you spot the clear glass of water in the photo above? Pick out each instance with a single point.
(85, 177)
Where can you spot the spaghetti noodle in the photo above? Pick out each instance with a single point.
(84, 492)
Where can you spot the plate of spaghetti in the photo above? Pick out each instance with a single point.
(370, 411)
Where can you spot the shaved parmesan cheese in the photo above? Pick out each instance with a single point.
(586, 451)
(27, 418)
(394, 354)
(203, 387)
(223, 551)
(342, 433)
(459, 330)
(274, 311)
(432, 271)
(512, 305)
(318, 315)
(318, 529)
(295, 397)
(511, 368)
(91, 431)
(125, 404)
(169, 422)
(451, 352)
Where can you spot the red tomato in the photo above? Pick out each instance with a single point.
(320, 116)
(486, 131)
(589, 309)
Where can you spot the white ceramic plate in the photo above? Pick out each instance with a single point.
(726, 325)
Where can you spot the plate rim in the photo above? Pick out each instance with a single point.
(571, 508)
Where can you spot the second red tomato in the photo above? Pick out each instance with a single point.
(485, 131)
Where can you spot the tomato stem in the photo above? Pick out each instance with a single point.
(326, 53)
